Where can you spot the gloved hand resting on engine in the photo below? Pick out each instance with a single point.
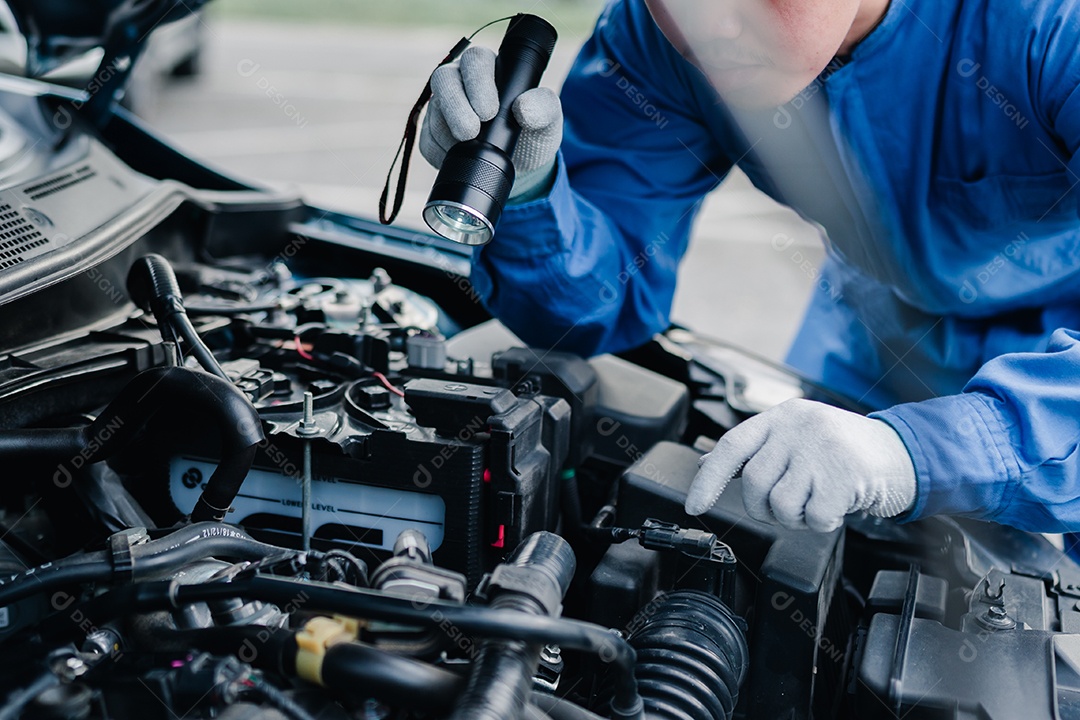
(464, 95)
(806, 465)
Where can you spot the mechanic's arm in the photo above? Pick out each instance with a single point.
(1005, 449)
(586, 254)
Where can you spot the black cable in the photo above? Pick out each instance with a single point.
(197, 347)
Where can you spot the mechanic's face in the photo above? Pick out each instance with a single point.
(758, 52)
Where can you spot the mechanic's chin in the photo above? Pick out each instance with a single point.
(753, 87)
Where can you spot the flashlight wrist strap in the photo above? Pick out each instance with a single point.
(405, 148)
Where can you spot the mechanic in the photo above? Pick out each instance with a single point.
(935, 143)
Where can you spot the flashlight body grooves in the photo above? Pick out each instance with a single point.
(476, 177)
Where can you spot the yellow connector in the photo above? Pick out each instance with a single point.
(317, 635)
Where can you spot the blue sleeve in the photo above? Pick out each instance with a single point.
(1006, 449)
(592, 267)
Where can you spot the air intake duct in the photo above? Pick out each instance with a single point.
(691, 658)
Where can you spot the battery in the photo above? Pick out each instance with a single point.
(472, 467)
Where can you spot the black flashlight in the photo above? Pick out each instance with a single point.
(476, 177)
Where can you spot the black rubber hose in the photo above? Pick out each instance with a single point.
(692, 658)
(501, 677)
(197, 542)
(148, 393)
(48, 579)
(187, 545)
(224, 484)
(362, 603)
(152, 285)
(361, 670)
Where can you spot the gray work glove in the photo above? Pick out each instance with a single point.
(806, 465)
(464, 95)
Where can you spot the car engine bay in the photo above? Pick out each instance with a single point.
(266, 460)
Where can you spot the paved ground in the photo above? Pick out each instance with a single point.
(322, 108)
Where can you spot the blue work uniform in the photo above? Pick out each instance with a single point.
(941, 159)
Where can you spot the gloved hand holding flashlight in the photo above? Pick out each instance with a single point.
(464, 95)
(806, 465)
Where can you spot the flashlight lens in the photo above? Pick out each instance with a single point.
(458, 223)
(459, 219)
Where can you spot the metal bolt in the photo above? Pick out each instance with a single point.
(365, 313)
(307, 425)
(74, 667)
(995, 618)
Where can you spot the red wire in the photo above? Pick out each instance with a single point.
(300, 349)
(382, 378)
